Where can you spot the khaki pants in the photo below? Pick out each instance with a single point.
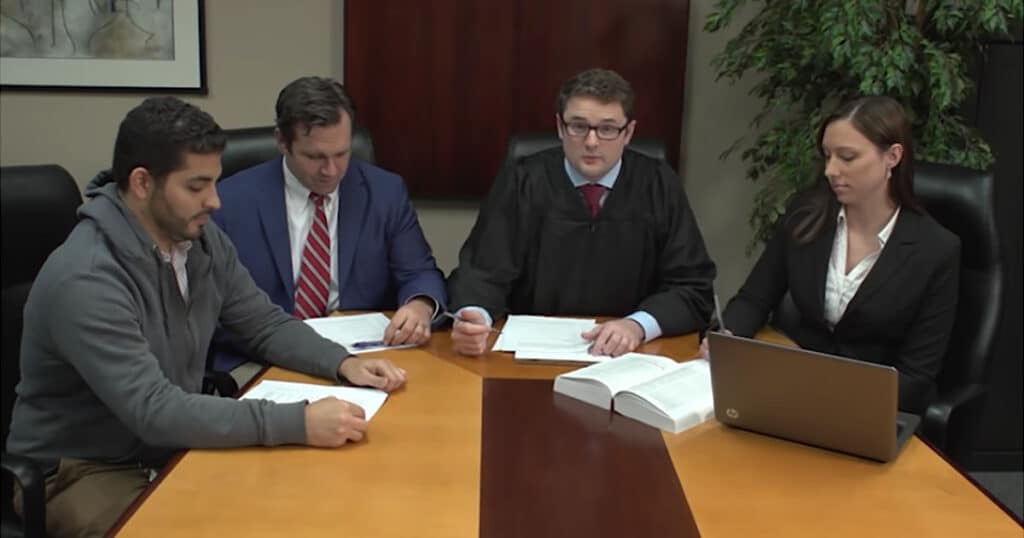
(85, 498)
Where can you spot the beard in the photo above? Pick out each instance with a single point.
(174, 227)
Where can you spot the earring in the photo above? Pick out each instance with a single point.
(888, 174)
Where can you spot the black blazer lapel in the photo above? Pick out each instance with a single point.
(894, 255)
(811, 263)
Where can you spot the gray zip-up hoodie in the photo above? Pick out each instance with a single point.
(112, 357)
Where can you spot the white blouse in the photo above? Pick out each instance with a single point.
(840, 286)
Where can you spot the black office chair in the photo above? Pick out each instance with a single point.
(39, 210)
(253, 145)
(961, 200)
(523, 144)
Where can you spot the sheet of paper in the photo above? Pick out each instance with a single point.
(349, 330)
(370, 400)
(559, 356)
(544, 334)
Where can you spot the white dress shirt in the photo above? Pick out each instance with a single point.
(840, 286)
(301, 212)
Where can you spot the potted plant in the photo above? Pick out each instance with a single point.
(814, 55)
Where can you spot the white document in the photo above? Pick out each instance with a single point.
(544, 334)
(559, 356)
(352, 330)
(370, 400)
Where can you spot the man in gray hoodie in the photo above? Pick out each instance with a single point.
(118, 322)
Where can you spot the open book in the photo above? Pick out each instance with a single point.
(655, 390)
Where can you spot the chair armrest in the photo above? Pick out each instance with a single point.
(221, 382)
(30, 477)
(936, 418)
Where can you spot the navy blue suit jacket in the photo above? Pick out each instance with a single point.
(383, 257)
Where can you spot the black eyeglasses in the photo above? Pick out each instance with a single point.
(581, 129)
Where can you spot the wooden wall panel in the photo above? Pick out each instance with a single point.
(441, 85)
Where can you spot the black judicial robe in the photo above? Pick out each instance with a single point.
(535, 249)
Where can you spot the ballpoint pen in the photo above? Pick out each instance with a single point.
(456, 318)
(368, 344)
(718, 314)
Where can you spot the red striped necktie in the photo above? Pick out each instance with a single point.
(313, 285)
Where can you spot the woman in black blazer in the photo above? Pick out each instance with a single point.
(872, 276)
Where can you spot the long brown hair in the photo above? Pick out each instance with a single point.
(882, 121)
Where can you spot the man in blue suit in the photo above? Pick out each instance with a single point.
(320, 231)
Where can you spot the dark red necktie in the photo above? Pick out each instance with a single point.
(592, 193)
(314, 281)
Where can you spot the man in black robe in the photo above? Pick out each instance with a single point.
(590, 228)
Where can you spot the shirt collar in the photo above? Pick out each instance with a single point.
(295, 190)
(883, 235)
(179, 250)
(608, 180)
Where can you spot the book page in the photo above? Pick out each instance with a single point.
(544, 334)
(371, 400)
(684, 390)
(367, 330)
(625, 371)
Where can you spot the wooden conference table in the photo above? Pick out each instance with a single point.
(483, 447)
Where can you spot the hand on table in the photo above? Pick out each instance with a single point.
(469, 333)
(377, 373)
(332, 422)
(411, 323)
(615, 337)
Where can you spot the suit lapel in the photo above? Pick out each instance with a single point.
(814, 259)
(353, 202)
(274, 219)
(894, 256)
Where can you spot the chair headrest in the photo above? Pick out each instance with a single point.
(523, 144)
(39, 206)
(250, 146)
(961, 199)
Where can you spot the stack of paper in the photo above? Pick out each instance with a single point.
(545, 338)
(370, 400)
(350, 330)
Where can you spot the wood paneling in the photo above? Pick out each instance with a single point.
(441, 85)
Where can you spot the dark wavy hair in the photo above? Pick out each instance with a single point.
(156, 134)
(604, 85)
(311, 102)
(882, 121)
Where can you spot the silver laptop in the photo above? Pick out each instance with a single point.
(822, 400)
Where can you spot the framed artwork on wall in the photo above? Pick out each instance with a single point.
(104, 45)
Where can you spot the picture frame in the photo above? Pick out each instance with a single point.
(116, 46)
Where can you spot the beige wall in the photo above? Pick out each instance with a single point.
(255, 46)
(247, 63)
(714, 115)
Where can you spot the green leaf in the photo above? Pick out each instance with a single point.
(809, 56)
